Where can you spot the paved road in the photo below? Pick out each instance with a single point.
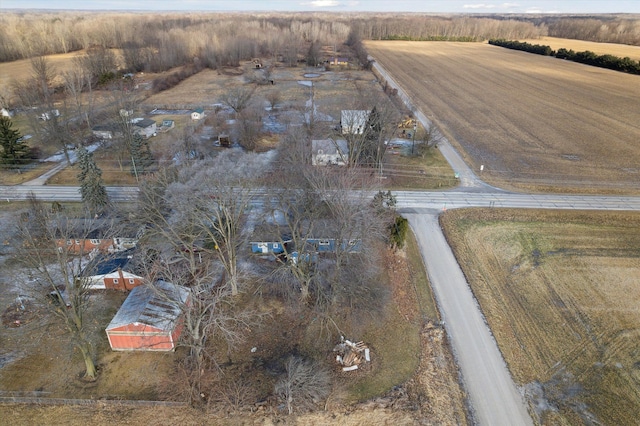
(408, 201)
(62, 193)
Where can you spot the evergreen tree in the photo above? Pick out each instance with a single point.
(92, 189)
(14, 150)
(372, 138)
(141, 156)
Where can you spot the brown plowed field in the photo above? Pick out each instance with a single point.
(536, 123)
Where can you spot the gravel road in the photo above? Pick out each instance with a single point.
(494, 398)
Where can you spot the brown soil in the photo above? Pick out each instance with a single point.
(535, 123)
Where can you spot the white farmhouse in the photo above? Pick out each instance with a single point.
(145, 127)
(326, 152)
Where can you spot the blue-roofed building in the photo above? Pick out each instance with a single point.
(111, 272)
(267, 247)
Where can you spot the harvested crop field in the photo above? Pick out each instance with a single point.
(536, 123)
(620, 50)
(560, 293)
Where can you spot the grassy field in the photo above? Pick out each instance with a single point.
(206, 88)
(19, 70)
(560, 293)
(536, 123)
(620, 50)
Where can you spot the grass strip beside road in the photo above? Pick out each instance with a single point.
(396, 341)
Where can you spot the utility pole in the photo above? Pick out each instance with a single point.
(135, 170)
(413, 137)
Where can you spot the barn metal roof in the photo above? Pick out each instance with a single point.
(158, 305)
(144, 123)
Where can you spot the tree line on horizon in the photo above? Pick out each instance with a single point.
(587, 57)
(159, 41)
(172, 35)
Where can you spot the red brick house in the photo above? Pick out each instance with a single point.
(111, 272)
(85, 246)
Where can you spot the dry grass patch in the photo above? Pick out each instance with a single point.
(24, 174)
(534, 122)
(560, 292)
(112, 174)
(21, 69)
(405, 171)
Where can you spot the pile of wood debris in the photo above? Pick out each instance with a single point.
(351, 354)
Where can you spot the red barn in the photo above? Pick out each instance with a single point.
(150, 319)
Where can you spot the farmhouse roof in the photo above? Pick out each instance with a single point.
(330, 146)
(106, 264)
(199, 110)
(157, 306)
(144, 123)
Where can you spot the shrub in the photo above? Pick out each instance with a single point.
(398, 232)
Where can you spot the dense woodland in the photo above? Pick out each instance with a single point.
(161, 41)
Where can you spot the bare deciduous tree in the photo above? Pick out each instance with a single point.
(368, 127)
(100, 63)
(43, 74)
(249, 125)
(351, 285)
(208, 315)
(274, 97)
(426, 139)
(238, 98)
(57, 273)
(303, 386)
(75, 83)
(212, 198)
(196, 218)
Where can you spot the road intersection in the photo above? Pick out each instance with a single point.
(494, 398)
